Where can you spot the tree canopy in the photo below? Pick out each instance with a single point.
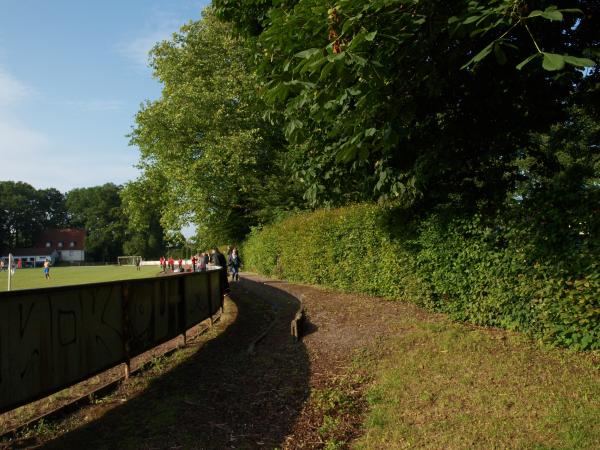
(270, 106)
(420, 100)
(98, 210)
(25, 211)
(208, 156)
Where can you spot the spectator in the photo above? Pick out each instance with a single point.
(219, 260)
(234, 263)
(201, 263)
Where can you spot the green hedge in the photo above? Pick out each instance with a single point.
(500, 272)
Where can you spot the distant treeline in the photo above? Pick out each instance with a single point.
(26, 211)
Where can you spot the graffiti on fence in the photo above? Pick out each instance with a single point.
(53, 338)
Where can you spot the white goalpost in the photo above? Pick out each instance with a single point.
(129, 260)
(11, 269)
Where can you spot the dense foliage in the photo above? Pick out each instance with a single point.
(112, 227)
(476, 122)
(98, 210)
(206, 153)
(418, 101)
(145, 235)
(515, 271)
(25, 211)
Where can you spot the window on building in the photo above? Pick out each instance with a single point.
(48, 244)
(72, 244)
(60, 244)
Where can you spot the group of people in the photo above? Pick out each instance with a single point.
(18, 265)
(169, 264)
(233, 262)
(200, 262)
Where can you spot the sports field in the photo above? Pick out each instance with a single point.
(62, 276)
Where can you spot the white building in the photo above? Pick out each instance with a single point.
(69, 243)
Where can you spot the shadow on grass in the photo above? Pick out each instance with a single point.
(222, 396)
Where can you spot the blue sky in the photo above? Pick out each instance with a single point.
(72, 76)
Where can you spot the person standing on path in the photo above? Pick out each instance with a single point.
(194, 263)
(235, 262)
(219, 260)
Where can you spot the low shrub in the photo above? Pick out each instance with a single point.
(503, 271)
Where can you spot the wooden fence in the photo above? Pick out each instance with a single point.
(53, 338)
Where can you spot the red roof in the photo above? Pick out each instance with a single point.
(65, 236)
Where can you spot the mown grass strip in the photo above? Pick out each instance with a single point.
(65, 276)
(446, 385)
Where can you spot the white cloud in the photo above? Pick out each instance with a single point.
(43, 160)
(137, 49)
(18, 142)
(26, 155)
(16, 138)
(160, 26)
(23, 151)
(12, 91)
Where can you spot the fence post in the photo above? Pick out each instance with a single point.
(223, 293)
(183, 308)
(10, 264)
(210, 302)
(126, 336)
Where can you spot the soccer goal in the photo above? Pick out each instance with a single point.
(129, 260)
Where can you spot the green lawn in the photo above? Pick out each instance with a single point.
(62, 276)
(450, 386)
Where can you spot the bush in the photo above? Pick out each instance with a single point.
(499, 271)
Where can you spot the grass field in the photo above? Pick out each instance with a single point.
(63, 276)
(451, 386)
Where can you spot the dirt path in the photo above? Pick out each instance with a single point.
(283, 394)
(344, 339)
